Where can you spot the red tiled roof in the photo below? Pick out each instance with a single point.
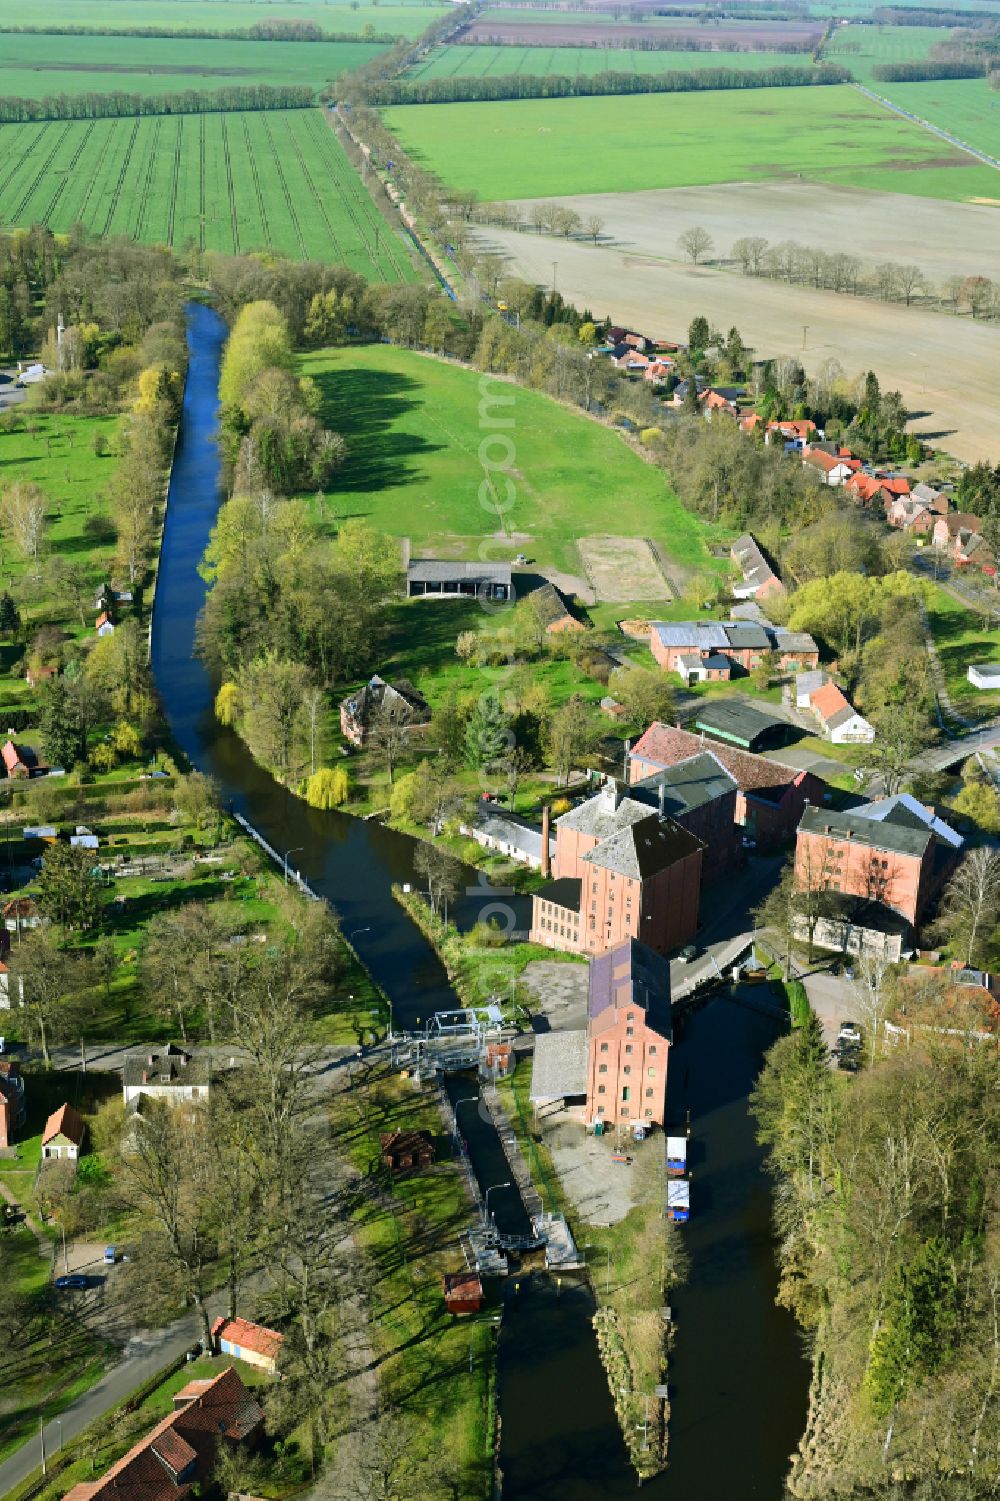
(212, 1409)
(64, 1122)
(663, 745)
(821, 460)
(103, 619)
(828, 701)
(249, 1336)
(11, 756)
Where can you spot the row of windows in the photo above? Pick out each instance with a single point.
(625, 1092)
(629, 1031)
(624, 1111)
(602, 1068)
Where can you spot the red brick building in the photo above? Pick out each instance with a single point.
(895, 860)
(12, 1109)
(736, 645)
(621, 871)
(770, 798)
(628, 1036)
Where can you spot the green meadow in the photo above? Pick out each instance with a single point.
(414, 427)
(340, 17)
(32, 66)
(966, 107)
(573, 62)
(553, 147)
(861, 48)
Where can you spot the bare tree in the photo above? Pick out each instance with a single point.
(387, 737)
(749, 251)
(443, 875)
(911, 281)
(695, 243)
(24, 510)
(971, 903)
(594, 226)
(873, 986)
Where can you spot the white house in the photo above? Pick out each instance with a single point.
(63, 1134)
(984, 675)
(841, 722)
(171, 1075)
(105, 625)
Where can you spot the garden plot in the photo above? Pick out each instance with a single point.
(621, 569)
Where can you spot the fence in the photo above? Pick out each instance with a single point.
(272, 853)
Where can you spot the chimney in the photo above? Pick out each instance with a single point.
(546, 864)
(663, 801)
(610, 795)
(145, 1076)
(628, 747)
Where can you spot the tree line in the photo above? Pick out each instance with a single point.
(263, 31)
(888, 1234)
(841, 271)
(557, 86)
(927, 70)
(119, 105)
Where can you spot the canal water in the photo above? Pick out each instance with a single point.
(350, 862)
(738, 1375)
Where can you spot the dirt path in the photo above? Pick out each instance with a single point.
(947, 369)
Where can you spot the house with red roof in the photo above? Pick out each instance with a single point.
(105, 626)
(180, 1452)
(63, 1135)
(958, 534)
(835, 467)
(794, 434)
(841, 722)
(13, 760)
(254, 1343)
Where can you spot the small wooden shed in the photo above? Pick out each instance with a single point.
(406, 1151)
(463, 1292)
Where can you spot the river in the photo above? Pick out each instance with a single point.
(738, 1375)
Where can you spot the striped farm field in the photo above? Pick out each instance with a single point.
(485, 61)
(267, 180)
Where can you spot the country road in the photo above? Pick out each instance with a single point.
(935, 130)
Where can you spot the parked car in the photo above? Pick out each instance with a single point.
(75, 1280)
(850, 1033)
(110, 1255)
(688, 953)
(195, 1352)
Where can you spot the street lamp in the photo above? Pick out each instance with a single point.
(296, 851)
(354, 933)
(486, 1202)
(469, 1099)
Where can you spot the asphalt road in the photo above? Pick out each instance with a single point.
(145, 1354)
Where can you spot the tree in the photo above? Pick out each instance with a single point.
(272, 692)
(570, 736)
(873, 986)
(196, 799)
(68, 892)
(49, 983)
(980, 802)
(594, 226)
(10, 617)
(902, 730)
(487, 734)
(970, 908)
(59, 724)
(442, 872)
(696, 243)
(699, 335)
(327, 788)
(645, 694)
(749, 251)
(24, 515)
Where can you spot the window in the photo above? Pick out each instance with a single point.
(600, 1109)
(630, 1016)
(602, 1068)
(629, 1031)
(649, 1112)
(627, 1069)
(651, 1073)
(652, 1048)
(625, 1092)
(628, 1047)
(649, 1094)
(594, 888)
(624, 1110)
(593, 906)
(604, 1047)
(602, 1090)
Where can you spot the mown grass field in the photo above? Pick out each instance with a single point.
(549, 147)
(414, 428)
(573, 62)
(340, 16)
(32, 66)
(230, 182)
(962, 639)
